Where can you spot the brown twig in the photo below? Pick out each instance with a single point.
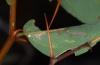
(55, 12)
(12, 21)
(8, 44)
(12, 31)
(21, 40)
(50, 43)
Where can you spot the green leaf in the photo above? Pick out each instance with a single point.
(63, 39)
(87, 11)
(9, 2)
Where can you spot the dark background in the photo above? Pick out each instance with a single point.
(25, 54)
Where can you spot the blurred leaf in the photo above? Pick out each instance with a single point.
(63, 39)
(9, 2)
(87, 11)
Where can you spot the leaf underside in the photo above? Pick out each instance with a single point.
(63, 39)
(87, 11)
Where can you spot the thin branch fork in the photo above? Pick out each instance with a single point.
(12, 31)
(8, 44)
(52, 60)
(49, 38)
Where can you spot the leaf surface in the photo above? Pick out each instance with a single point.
(63, 39)
(87, 11)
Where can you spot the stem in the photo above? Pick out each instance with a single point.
(55, 12)
(12, 20)
(49, 38)
(12, 24)
(8, 44)
(21, 40)
(95, 39)
(52, 60)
